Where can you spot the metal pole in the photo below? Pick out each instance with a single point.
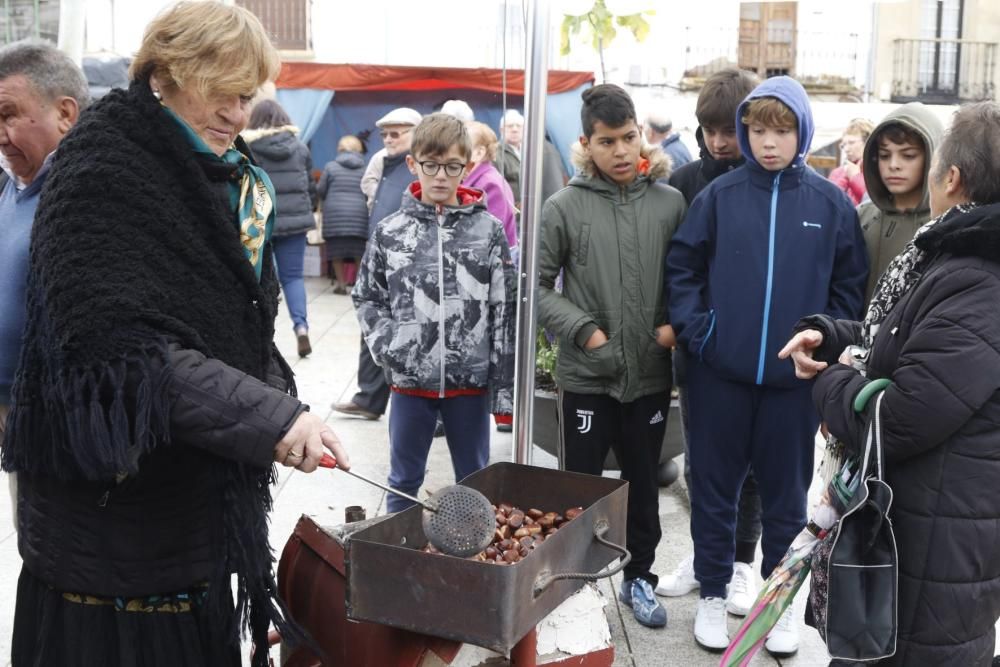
(532, 148)
(72, 20)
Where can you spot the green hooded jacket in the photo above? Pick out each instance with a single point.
(887, 229)
(610, 242)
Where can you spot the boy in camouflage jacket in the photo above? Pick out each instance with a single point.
(435, 299)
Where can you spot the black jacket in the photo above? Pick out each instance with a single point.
(940, 345)
(693, 177)
(345, 212)
(150, 394)
(289, 164)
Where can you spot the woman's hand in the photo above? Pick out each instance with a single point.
(800, 348)
(303, 444)
(665, 336)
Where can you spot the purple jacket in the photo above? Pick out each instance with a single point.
(499, 198)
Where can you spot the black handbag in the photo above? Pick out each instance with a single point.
(853, 597)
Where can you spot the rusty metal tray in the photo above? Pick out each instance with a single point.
(390, 581)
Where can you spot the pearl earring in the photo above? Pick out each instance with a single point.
(157, 95)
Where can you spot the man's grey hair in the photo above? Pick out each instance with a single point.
(50, 71)
(972, 144)
(660, 123)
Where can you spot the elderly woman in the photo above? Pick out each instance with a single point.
(151, 402)
(486, 177)
(932, 329)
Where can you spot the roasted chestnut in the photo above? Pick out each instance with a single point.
(572, 513)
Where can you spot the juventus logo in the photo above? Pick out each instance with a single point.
(584, 416)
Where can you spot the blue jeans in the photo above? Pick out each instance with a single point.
(289, 256)
(411, 431)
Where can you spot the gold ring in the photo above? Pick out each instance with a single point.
(295, 454)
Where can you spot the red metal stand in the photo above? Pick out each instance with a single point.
(312, 582)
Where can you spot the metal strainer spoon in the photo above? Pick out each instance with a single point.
(457, 520)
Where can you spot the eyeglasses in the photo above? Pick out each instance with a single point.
(393, 134)
(452, 169)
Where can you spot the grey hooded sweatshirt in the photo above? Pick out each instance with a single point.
(888, 229)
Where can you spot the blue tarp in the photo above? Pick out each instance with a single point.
(354, 112)
(306, 107)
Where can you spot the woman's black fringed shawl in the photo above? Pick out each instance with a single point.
(131, 251)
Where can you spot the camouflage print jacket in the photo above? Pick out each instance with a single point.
(435, 299)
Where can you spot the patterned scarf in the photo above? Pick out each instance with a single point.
(251, 197)
(902, 273)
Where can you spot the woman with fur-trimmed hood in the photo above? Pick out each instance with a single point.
(277, 147)
(607, 232)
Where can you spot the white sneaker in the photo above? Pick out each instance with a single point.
(783, 640)
(742, 590)
(681, 582)
(710, 629)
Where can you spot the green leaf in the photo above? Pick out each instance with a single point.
(564, 36)
(637, 25)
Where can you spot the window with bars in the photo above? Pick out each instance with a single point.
(21, 19)
(287, 21)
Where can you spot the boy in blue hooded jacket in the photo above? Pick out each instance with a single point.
(761, 247)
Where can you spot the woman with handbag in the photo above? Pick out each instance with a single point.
(932, 329)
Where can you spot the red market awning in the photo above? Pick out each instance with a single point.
(341, 77)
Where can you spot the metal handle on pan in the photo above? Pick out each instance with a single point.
(601, 528)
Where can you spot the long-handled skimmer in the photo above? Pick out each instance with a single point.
(457, 520)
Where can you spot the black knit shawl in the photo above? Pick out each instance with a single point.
(132, 250)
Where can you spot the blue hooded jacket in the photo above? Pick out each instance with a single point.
(759, 250)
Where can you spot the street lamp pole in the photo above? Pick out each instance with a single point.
(532, 149)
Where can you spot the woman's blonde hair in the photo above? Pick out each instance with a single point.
(207, 47)
(349, 142)
(482, 135)
(861, 127)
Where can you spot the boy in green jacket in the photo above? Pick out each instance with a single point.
(608, 231)
(895, 163)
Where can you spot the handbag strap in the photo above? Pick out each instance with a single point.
(873, 443)
(879, 457)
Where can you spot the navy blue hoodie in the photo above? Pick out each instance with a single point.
(760, 249)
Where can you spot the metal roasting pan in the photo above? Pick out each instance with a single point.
(392, 582)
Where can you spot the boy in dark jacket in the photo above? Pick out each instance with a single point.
(720, 153)
(608, 232)
(435, 299)
(762, 246)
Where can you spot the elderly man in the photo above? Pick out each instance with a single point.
(41, 94)
(509, 161)
(660, 130)
(396, 128)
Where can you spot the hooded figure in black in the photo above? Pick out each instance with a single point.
(932, 329)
